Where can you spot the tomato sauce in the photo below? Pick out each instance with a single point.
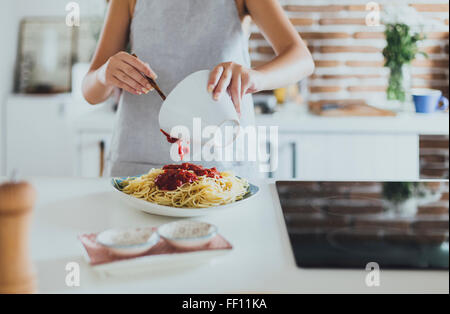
(182, 150)
(171, 179)
(170, 139)
(198, 170)
(175, 176)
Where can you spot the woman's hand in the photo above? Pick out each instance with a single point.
(235, 79)
(125, 71)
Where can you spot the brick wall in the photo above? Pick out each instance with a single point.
(434, 160)
(349, 63)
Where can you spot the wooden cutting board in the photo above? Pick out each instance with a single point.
(350, 110)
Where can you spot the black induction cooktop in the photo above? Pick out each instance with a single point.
(398, 225)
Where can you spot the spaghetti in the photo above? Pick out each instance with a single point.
(187, 185)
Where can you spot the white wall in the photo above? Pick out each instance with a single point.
(57, 7)
(11, 12)
(8, 38)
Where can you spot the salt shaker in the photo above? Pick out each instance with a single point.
(16, 204)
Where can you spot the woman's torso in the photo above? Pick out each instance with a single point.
(176, 38)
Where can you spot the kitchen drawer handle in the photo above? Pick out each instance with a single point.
(102, 157)
(294, 159)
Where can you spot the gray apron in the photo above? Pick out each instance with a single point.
(177, 38)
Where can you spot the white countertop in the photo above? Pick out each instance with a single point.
(102, 120)
(403, 123)
(261, 260)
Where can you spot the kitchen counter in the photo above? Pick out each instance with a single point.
(296, 121)
(261, 260)
(403, 123)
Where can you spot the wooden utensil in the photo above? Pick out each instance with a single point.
(16, 203)
(153, 83)
(350, 110)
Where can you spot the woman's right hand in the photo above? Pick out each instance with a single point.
(126, 72)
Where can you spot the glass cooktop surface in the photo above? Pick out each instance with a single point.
(400, 225)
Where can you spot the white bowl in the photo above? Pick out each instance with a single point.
(190, 99)
(128, 242)
(187, 234)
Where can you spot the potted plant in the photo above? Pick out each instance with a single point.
(401, 49)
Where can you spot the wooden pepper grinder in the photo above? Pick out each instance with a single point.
(16, 272)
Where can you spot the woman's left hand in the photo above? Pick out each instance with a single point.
(234, 78)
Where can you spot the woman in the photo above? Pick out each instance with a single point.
(173, 39)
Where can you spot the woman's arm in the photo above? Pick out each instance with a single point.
(292, 63)
(111, 66)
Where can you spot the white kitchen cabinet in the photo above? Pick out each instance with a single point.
(283, 163)
(91, 154)
(357, 157)
(351, 148)
(93, 131)
(43, 138)
(38, 138)
(347, 157)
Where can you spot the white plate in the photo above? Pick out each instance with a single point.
(163, 210)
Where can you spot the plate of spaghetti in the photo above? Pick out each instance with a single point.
(184, 190)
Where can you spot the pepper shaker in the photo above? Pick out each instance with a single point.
(16, 204)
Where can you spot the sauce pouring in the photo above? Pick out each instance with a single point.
(182, 150)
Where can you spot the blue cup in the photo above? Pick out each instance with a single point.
(429, 100)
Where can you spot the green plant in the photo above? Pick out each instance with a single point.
(398, 192)
(401, 49)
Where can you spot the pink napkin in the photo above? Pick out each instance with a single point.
(100, 255)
